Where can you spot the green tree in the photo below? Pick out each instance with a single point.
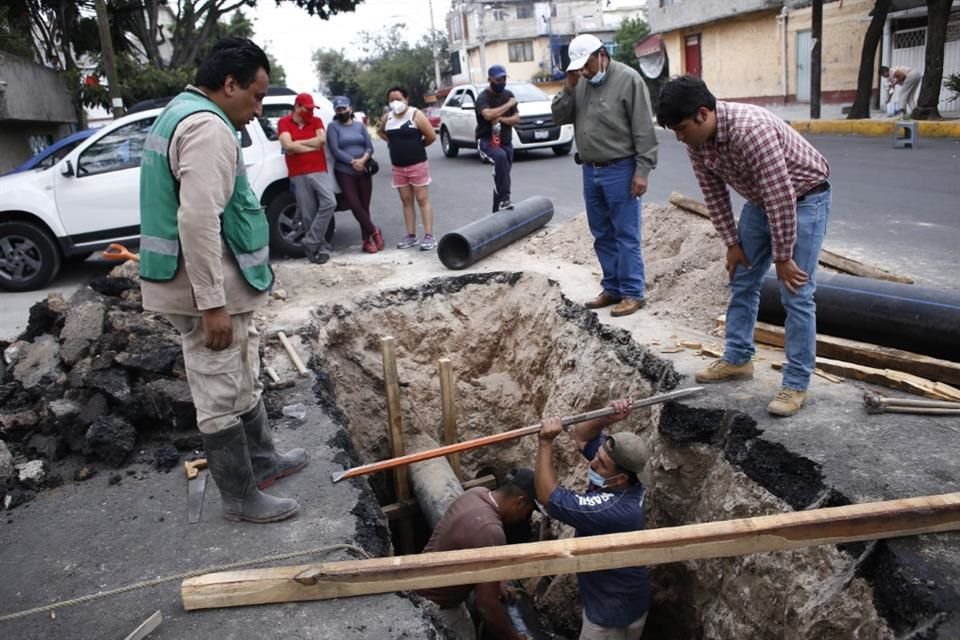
(630, 32)
(338, 75)
(938, 14)
(15, 33)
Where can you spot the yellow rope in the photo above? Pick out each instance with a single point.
(92, 597)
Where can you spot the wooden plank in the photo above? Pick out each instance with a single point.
(836, 525)
(411, 507)
(867, 354)
(827, 258)
(448, 404)
(391, 382)
(890, 378)
(857, 268)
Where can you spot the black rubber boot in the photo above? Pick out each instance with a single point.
(229, 462)
(268, 465)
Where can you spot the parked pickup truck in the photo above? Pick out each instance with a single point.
(537, 130)
(91, 197)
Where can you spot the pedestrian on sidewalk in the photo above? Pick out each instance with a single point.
(204, 264)
(352, 151)
(610, 110)
(408, 133)
(497, 114)
(303, 136)
(615, 601)
(478, 519)
(784, 221)
(908, 80)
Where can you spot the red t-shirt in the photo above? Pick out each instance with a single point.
(301, 163)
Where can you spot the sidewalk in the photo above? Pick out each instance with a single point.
(833, 121)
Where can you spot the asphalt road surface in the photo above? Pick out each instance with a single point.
(896, 208)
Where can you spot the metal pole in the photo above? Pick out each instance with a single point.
(109, 62)
(815, 56)
(483, 42)
(433, 42)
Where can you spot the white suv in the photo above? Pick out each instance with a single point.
(91, 197)
(536, 130)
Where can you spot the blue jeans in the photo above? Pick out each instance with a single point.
(801, 310)
(502, 158)
(614, 216)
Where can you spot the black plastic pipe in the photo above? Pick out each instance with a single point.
(461, 248)
(904, 316)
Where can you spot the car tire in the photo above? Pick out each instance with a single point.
(450, 148)
(286, 226)
(563, 149)
(29, 256)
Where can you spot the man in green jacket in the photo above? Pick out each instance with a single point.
(204, 264)
(609, 106)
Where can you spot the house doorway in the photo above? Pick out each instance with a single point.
(691, 55)
(804, 43)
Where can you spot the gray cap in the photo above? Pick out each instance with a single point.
(628, 450)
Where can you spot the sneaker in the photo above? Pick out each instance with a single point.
(428, 243)
(320, 257)
(377, 238)
(369, 245)
(722, 371)
(787, 402)
(627, 306)
(408, 241)
(505, 204)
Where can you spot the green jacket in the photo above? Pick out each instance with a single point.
(243, 222)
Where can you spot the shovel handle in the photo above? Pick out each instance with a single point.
(119, 252)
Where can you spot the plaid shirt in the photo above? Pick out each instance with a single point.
(766, 162)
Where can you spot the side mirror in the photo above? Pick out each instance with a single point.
(67, 169)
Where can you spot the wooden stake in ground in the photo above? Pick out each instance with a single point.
(420, 456)
(852, 523)
(391, 382)
(448, 402)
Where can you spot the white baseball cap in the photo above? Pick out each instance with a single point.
(581, 48)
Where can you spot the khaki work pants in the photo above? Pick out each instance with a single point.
(633, 631)
(224, 384)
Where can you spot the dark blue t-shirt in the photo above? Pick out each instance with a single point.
(614, 597)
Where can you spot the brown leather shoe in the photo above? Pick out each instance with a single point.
(627, 306)
(602, 300)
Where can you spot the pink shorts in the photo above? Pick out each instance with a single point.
(416, 175)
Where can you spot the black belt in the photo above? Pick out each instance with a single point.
(600, 165)
(820, 188)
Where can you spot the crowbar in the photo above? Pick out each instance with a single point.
(420, 456)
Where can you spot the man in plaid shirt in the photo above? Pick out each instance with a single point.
(784, 180)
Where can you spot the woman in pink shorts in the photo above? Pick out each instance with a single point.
(408, 133)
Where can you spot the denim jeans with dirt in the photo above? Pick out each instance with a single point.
(801, 311)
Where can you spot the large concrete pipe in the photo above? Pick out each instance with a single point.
(434, 483)
(461, 248)
(903, 316)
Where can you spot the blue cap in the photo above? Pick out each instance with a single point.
(497, 71)
(341, 102)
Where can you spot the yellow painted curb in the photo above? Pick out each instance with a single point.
(927, 128)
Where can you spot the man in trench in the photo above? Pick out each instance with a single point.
(204, 264)
(478, 518)
(615, 601)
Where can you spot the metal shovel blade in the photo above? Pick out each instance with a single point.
(195, 491)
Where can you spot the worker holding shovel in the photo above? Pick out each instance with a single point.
(204, 264)
(615, 601)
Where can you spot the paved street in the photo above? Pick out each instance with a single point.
(896, 208)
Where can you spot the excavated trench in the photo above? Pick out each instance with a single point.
(521, 350)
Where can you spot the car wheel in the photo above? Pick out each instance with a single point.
(286, 226)
(562, 149)
(450, 148)
(29, 257)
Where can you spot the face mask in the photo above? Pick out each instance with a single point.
(307, 116)
(598, 480)
(598, 77)
(343, 116)
(498, 87)
(398, 106)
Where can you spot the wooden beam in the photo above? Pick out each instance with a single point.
(891, 379)
(827, 258)
(411, 507)
(867, 354)
(391, 382)
(448, 403)
(852, 523)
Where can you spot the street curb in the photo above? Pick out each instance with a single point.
(927, 128)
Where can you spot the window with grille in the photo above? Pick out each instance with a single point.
(521, 51)
(910, 38)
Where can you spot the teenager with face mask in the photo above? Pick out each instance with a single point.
(408, 133)
(609, 106)
(496, 116)
(352, 149)
(615, 601)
